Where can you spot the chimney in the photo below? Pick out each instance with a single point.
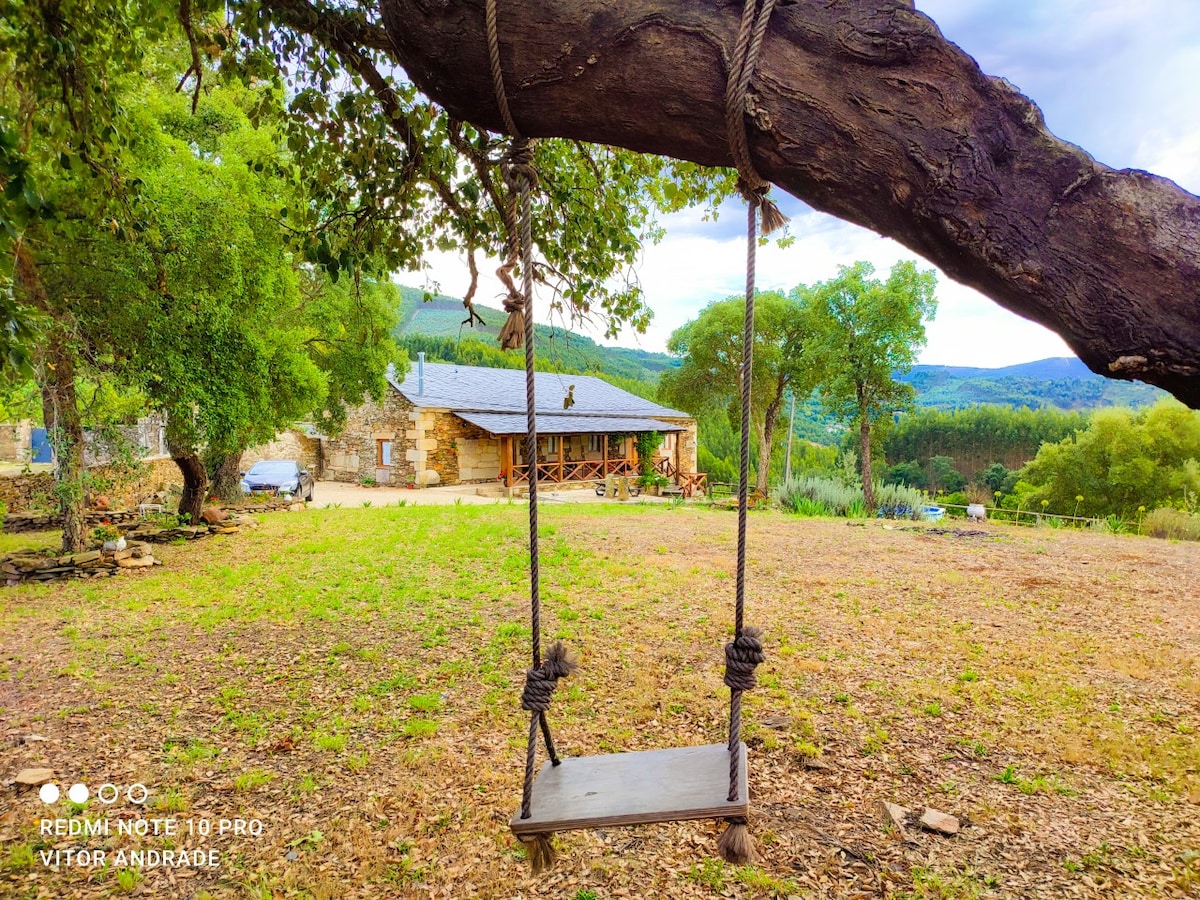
(421, 373)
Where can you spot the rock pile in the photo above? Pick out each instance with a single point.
(156, 535)
(35, 566)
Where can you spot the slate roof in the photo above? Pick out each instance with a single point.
(557, 423)
(479, 389)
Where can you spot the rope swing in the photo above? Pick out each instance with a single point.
(622, 804)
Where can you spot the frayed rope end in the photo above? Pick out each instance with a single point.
(561, 659)
(512, 335)
(540, 852)
(736, 844)
(770, 216)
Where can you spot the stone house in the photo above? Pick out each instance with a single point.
(452, 424)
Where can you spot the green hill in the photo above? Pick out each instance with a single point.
(1063, 383)
(437, 327)
(434, 323)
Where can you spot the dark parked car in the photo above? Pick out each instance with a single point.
(278, 476)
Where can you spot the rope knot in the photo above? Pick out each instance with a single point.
(756, 194)
(541, 682)
(742, 656)
(520, 176)
(517, 165)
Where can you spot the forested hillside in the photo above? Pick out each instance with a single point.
(436, 327)
(1064, 383)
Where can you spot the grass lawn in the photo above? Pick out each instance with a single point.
(349, 679)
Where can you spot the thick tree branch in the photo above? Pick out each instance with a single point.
(862, 109)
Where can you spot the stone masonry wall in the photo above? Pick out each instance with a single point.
(460, 452)
(688, 443)
(352, 455)
(36, 491)
(291, 444)
(15, 439)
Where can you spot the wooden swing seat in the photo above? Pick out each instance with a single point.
(635, 789)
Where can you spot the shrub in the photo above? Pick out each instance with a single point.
(1171, 523)
(836, 498)
(653, 479)
(899, 502)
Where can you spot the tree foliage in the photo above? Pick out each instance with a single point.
(1122, 461)
(863, 332)
(976, 437)
(711, 376)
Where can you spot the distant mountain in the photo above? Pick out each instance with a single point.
(558, 349)
(1062, 382)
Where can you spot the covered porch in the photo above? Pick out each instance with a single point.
(578, 449)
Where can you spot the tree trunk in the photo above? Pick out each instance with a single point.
(191, 466)
(864, 447)
(65, 430)
(225, 470)
(191, 502)
(60, 409)
(767, 439)
(861, 109)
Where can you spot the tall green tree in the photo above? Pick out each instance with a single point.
(192, 291)
(710, 376)
(863, 332)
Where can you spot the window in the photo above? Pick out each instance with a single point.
(551, 444)
(595, 443)
(383, 455)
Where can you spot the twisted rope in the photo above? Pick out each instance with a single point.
(520, 177)
(541, 682)
(745, 652)
(741, 68)
(493, 39)
(742, 656)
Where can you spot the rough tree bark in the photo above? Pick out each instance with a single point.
(862, 109)
(60, 408)
(195, 480)
(766, 438)
(226, 476)
(60, 411)
(864, 447)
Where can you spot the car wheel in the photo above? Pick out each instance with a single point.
(309, 497)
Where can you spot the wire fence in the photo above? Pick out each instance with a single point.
(1026, 517)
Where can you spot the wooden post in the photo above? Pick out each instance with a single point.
(604, 471)
(561, 444)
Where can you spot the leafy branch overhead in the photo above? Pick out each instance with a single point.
(860, 108)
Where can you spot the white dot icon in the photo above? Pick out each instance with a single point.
(49, 793)
(78, 793)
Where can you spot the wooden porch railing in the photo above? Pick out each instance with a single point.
(693, 483)
(665, 466)
(556, 472)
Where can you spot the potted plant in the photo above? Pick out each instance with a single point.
(109, 536)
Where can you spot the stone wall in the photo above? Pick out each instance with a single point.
(291, 444)
(22, 493)
(688, 442)
(478, 459)
(352, 455)
(16, 442)
(457, 451)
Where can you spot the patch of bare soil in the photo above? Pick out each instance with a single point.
(362, 704)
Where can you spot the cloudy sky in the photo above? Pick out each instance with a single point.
(1120, 79)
